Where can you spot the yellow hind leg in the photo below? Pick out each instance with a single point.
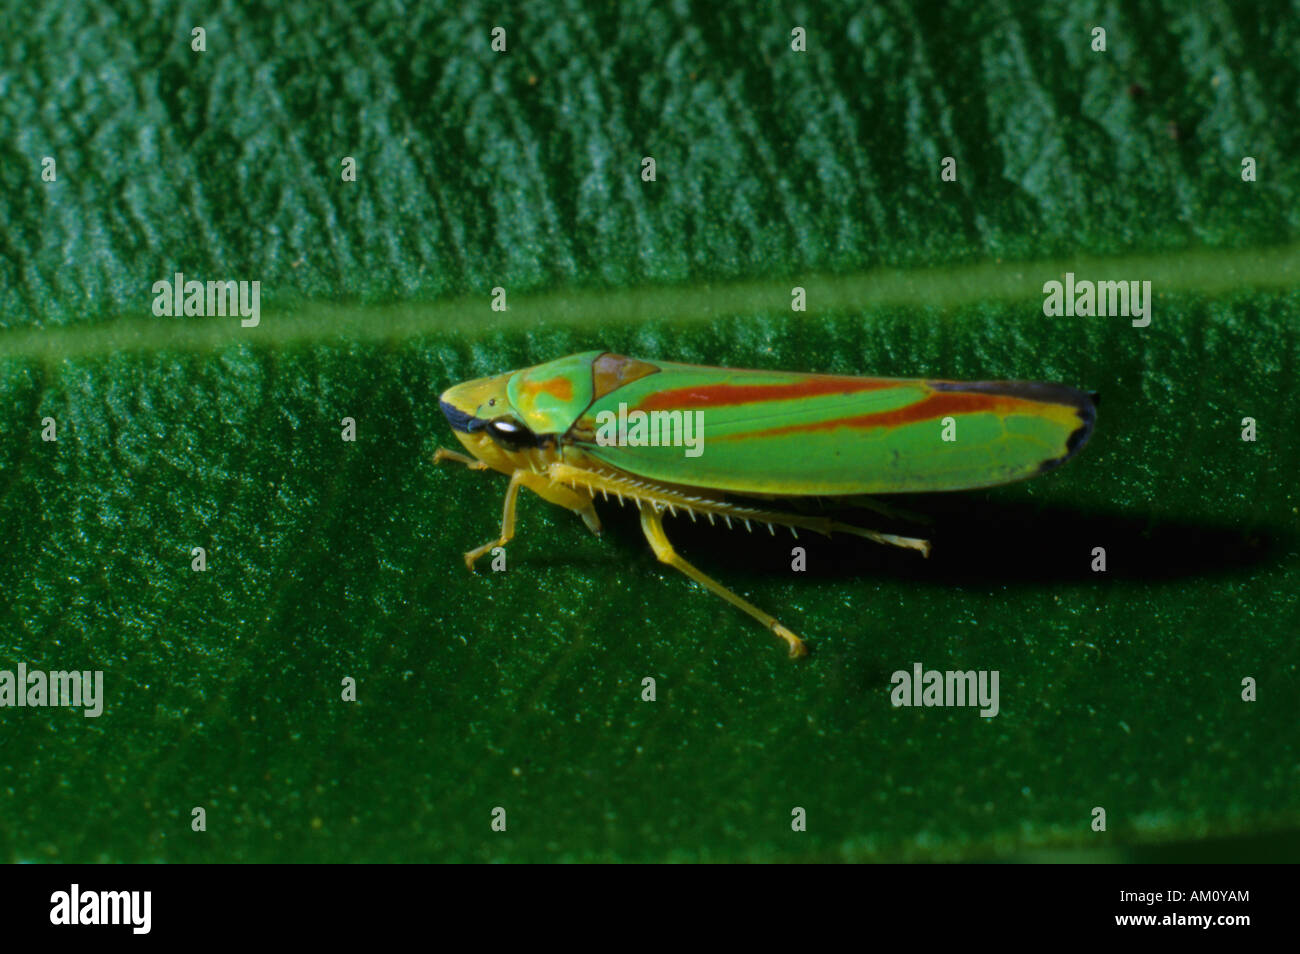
(652, 524)
(652, 499)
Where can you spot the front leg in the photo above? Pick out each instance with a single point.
(544, 488)
(507, 522)
(442, 454)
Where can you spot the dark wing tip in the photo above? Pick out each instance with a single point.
(1086, 408)
(1084, 403)
(1026, 390)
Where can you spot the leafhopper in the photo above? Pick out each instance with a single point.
(681, 438)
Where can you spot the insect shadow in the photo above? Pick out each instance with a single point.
(979, 539)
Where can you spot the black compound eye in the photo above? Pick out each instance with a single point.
(510, 432)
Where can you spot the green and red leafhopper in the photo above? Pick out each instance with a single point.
(680, 437)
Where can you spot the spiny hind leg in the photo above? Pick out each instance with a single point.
(888, 539)
(543, 487)
(653, 527)
(669, 498)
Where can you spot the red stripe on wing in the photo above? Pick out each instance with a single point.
(712, 395)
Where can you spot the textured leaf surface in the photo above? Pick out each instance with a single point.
(331, 559)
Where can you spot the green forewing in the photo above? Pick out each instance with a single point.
(785, 433)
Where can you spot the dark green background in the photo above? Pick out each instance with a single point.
(329, 559)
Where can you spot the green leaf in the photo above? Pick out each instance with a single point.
(329, 559)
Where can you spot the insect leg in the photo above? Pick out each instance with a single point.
(544, 488)
(653, 527)
(888, 539)
(580, 504)
(507, 521)
(662, 496)
(442, 454)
